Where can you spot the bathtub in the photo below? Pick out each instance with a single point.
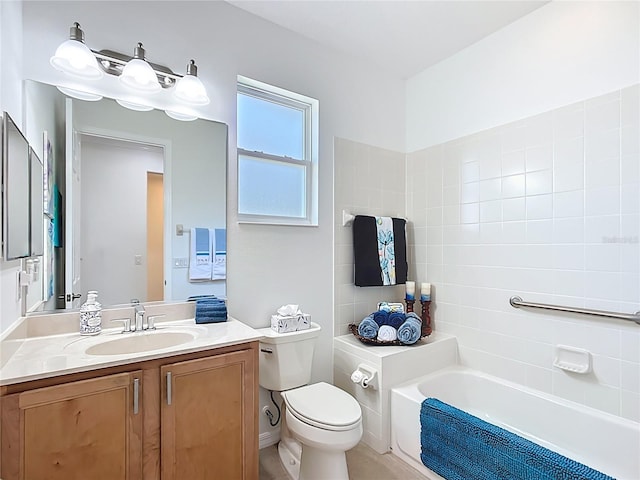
(600, 440)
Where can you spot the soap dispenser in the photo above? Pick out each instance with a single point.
(91, 315)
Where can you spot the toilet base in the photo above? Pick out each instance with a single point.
(319, 464)
(290, 453)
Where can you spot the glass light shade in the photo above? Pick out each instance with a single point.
(139, 75)
(134, 106)
(79, 94)
(183, 117)
(75, 58)
(190, 90)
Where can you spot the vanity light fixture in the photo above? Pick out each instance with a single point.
(136, 74)
(190, 89)
(75, 58)
(134, 106)
(72, 92)
(183, 117)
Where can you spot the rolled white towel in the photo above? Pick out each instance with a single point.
(387, 333)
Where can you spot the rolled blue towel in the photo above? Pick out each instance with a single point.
(409, 332)
(381, 317)
(368, 328)
(387, 333)
(396, 319)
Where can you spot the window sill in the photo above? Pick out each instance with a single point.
(286, 222)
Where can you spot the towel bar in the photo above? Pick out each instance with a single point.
(347, 218)
(517, 302)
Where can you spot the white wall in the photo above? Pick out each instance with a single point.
(560, 53)
(265, 263)
(114, 217)
(530, 186)
(11, 102)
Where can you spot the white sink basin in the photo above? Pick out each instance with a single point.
(136, 343)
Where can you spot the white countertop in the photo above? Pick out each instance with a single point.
(54, 355)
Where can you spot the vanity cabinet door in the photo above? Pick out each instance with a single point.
(209, 418)
(89, 429)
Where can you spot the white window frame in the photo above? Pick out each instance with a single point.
(309, 107)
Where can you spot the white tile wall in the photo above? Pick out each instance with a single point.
(394, 365)
(368, 181)
(546, 208)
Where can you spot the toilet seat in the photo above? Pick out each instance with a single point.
(324, 406)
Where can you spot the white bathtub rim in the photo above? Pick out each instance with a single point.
(411, 390)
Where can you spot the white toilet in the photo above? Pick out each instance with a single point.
(320, 422)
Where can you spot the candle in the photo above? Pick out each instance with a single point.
(425, 292)
(411, 291)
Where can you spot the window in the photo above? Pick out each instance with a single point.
(277, 155)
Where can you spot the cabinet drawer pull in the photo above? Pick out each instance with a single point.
(168, 388)
(136, 392)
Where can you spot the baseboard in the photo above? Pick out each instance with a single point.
(267, 439)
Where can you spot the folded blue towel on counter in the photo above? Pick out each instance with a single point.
(396, 319)
(368, 328)
(208, 306)
(409, 332)
(210, 310)
(194, 298)
(381, 317)
(211, 319)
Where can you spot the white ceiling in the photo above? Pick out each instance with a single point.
(403, 37)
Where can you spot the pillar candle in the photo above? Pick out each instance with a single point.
(425, 292)
(411, 291)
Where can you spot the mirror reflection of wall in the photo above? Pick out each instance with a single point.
(187, 175)
(114, 232)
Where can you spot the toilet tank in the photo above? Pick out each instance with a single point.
(285, 358)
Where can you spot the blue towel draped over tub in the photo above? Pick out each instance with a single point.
(459, 446)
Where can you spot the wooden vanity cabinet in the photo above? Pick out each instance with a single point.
(186, 417)
(79, 430)
(204, 418)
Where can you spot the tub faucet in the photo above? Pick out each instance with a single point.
(139, 314)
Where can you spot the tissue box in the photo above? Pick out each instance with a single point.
(290, 323)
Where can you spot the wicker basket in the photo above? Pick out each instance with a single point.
(370, 341)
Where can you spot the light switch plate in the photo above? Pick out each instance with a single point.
(180, 262)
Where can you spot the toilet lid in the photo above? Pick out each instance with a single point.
(324, 406)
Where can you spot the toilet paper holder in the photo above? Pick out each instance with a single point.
(366, 376)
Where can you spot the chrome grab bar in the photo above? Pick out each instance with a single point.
(517, 302)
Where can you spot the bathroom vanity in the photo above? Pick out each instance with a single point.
(187, 411)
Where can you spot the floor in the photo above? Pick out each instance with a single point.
(363, 462)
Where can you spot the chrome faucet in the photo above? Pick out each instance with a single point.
(139, 316)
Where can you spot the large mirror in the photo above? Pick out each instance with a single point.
(16, 191)
(125, 190)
